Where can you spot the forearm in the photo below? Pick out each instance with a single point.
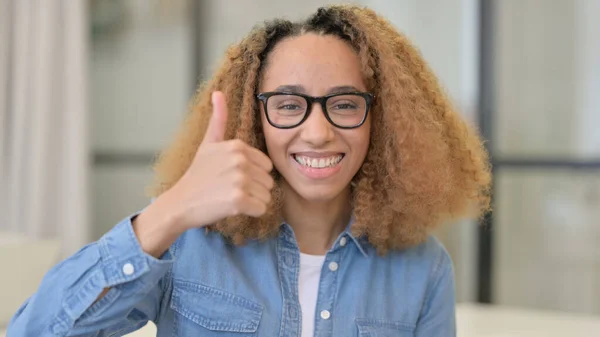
(69, 293)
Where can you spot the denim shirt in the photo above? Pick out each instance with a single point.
(205, 286)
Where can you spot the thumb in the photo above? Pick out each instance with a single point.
(218, 121)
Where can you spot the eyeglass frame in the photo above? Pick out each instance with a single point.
(264, 97)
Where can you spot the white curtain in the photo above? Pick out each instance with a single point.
(44, 146)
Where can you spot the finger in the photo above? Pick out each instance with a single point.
(259, 158)
(218, 120)
(260, 176)
(252, 206)
(258, 191)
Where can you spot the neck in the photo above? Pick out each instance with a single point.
(316, 224)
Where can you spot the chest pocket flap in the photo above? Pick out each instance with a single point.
(381, 328)
(214, 309)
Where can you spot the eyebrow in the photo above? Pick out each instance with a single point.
(300, 89)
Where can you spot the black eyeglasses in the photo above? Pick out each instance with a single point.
(286, 110)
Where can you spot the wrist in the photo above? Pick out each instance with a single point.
(168, 217)
(157, 228)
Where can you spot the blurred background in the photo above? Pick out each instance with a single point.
(91, 90)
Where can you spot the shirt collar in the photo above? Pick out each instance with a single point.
(360, 242)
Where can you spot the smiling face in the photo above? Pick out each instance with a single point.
(316, 159)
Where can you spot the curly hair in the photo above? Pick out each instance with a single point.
(425, 165)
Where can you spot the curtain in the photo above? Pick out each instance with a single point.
(44, 145)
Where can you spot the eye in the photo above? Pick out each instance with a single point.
(286, 103)
(344, 106)
(289, 106)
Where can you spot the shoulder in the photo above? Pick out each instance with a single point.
(433, 271)
(430, 252)
(436, 269)
(433, 251)
(429, 259)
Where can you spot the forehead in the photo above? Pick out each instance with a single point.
(316, 62)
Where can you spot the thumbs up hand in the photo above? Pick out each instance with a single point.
(226, 178)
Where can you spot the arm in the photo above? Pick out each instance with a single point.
(117, 284)
(438, 314)
(67, 301)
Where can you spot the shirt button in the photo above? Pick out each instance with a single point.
(333, 266)
(289, 260)
(128, 269)
(293, 312)
(325, 314)
(343, 241)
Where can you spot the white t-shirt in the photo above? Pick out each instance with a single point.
(308, 290)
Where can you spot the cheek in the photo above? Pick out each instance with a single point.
(361, 140)
(275, 140)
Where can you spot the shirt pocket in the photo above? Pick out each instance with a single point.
(381, 328)
(205, 311)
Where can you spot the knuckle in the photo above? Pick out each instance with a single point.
(239, 160)
(238, 197)
(271, 183)
(236, 145)
(269, 164)
(262, 209)
(240, 180)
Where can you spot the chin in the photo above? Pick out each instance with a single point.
(322, 193)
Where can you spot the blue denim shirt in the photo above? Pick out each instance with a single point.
(204, 286)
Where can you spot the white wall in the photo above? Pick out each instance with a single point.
(587, 41)
(547, 234)
(142, 76)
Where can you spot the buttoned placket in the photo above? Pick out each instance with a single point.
(289, 270)
(328, 288)
(288, 262)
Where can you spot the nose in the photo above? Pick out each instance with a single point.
(316, 130)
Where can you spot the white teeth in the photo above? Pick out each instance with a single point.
(318, 162)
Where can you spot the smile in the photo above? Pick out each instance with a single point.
(318, 163)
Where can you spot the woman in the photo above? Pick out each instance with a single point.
(296, 201)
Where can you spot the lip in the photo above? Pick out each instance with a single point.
(317, 173)
(313, 154)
